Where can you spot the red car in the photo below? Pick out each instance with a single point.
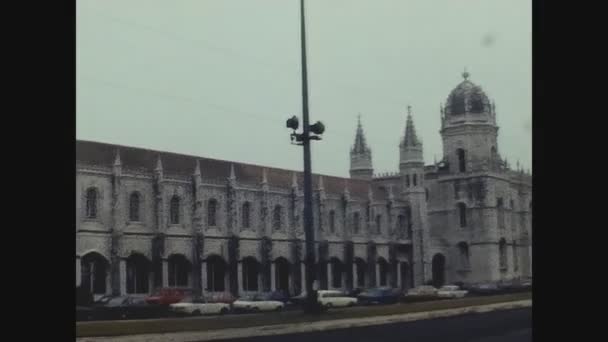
(167, 296)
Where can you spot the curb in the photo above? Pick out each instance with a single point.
(294, 328)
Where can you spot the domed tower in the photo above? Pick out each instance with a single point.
(361, 156)
(469, 130)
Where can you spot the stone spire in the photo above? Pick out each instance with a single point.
(117, 167)
(159, 165)
(117, 161)
(360, 145)
(197, 169)
(264, 177)
(321, 187)
(410, 138)
(232, 177)
(346, 192)
(361, 156)
(294, 181)
(410, 148)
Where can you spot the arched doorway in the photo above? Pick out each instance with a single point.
(94, 273)
(179, 271)
(360, 267)
(438, 269)
(138, 274)
(383, 269)
(251, 270)
(336, 269)
(216, 274)
(282, 269)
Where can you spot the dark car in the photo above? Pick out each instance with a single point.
(382, 295)
(354, 292)
(126, 307)
(280, 296)
(484, 289)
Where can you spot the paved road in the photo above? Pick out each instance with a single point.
(500, 326)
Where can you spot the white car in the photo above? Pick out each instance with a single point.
(257, 303)
(451, 291)
(423, 291)
(198, 306)
(331, 298)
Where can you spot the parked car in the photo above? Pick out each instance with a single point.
(124, 307)
(196, 306)
(333, 298)
(421, 293)
(257, 303)
(168, 295)
(484, 289)
(451, 291)
(220, 297)
(280, 296)
(299, 299)
(380, 295)
(354, 292)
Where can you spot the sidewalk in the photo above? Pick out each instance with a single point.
(280, 329)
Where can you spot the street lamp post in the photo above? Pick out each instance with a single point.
(304, 139)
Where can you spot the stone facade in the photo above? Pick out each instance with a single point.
(146, 219)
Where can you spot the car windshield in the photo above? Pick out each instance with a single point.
(249, 298)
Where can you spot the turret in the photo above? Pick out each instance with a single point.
(411, 161)
(361, 156)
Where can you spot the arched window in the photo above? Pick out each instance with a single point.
(212, 212)
(415, 179)
(500, 213)
(91, 203)
(463, 249)
(461, 160)
(458, 105)
(462, 213)
(245, 214)
(401, 228)
(378, 223)
(277, 217)
(332, 221)
(408, 218)
(476, 104)
(174, 210)
(515, 257)
(407, 181)
(356, 222)
(502, 250)
(134, 207)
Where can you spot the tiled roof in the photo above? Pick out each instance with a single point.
(103, 154)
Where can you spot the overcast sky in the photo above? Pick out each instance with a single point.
(218, 78)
